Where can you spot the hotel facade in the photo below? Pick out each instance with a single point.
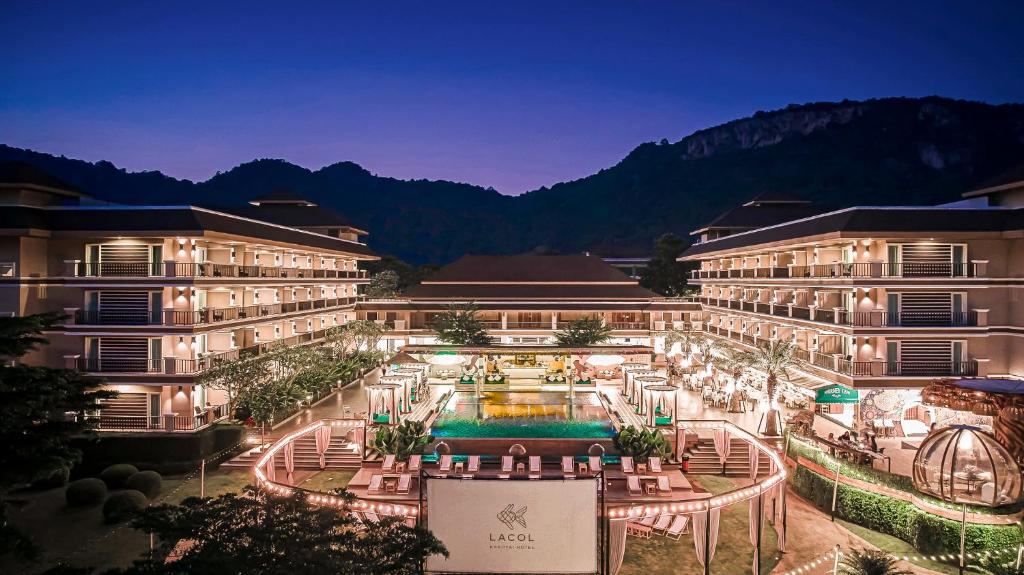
(882, 299)
(154, 295)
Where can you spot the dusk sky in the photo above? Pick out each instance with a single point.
(513, 95)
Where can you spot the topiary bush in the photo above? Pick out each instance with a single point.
(124, 505)
(117, 475)
(56, 478)
(926, 532)
(148, 482)
(89, 491)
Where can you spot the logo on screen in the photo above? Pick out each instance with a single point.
(510, 517)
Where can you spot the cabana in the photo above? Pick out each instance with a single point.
(641, 381)
(405, 394)
(383, 403)
(661, 404)
(631, 375)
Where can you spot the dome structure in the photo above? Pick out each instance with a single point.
(963, 464)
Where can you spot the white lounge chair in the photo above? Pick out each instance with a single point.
(627, 464)
(506, 464)
(535, 465)
(375, 483)
(678, 526)
(389, 463)
(415, 462)
(661, 525)
(654, 463)
(567, 465)
(446, 464)
(633, 485)
(663, 484)
(648, 520)
(595, 463)
(474, 464)
(404, 482)
(371, 517)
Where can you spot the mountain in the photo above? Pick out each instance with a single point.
(875, 152)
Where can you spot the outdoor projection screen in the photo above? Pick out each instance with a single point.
(503, 526)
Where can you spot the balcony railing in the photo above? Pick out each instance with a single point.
(201, 270)
(930, 368)
(629, 325)
(847, 270)
(119, 365)
(175, 366)
(204, 316)
(167, 422)
(528, 324)
(906, 319)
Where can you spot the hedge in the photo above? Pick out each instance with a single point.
(55, 478)
(123, 505)
(148, 482)
(115, 476)
(88, 491)
(926, 532)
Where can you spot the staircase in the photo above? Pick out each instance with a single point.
(340, 455)
(704, 460)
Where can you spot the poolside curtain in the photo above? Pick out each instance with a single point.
(754, 461)
(780, 523)
(755, 526)
(272, 468)
(289, 457)
(723, 444)
(701, 529)
(322, 435)
(616, 544)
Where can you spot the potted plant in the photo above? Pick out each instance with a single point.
(402, 440)
(642, 443)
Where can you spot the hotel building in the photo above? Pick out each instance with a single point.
(883, 299)
(154, 295)
(527, 299)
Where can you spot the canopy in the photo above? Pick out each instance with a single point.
(447, 358)
(836, 394)
(605, 360)
(1012, 386)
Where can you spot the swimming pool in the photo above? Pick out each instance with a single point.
(526, 414)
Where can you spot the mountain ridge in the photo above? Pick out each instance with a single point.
(879, 151)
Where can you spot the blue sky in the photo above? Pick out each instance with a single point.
(510, 95)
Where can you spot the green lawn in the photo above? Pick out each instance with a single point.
(899, 547)
(327, 480)
(735, 555)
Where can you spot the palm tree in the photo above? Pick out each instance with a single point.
(706, 347)
(774, 359)
(867, 562)
(734, 363)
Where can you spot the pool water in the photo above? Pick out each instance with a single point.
(527, 414)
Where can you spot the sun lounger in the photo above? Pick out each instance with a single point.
(661, 525)
(534, 465)
(446, 464)
(389, 463)
(627, 464)
(678, 526)
(633, 485)
(404, 482)
(638, 530)
(371, 517)
(567, 465)
(663, 484)
(506, 464)
(474, 464)
(595, 463)
(655, 464)
(375, 483)
(648, 520)
(415, 463)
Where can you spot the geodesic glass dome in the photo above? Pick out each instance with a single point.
(963, 464)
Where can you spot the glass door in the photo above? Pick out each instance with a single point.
(892, 309)
(892, 357)
(893, 260)
(959, 260)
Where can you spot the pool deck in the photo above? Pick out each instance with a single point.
(616, 493)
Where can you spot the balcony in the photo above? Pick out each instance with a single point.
(629, 325)
(119, 365)
(166, 422)
(201, 270)
(204, 316)
(930, 368)
(905, 319)
(850, 270)
(528, 324)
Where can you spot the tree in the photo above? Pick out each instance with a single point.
(460, 325)
(734, 363)
(663, 274)
(41, 408)
(774, 359)
(254, 532)
(870, 562)
(583, 332)
(383, 285)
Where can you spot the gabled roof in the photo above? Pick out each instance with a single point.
(1010, 179)
(25, 174)
(529, 268)
(281, 196)
(765, 198)
(759, 213)
(292, 215)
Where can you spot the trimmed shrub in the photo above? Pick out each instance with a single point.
(117, 475)
(88, 491)
(926, 532)
(56, 478)
(123, 505)
(148, 482)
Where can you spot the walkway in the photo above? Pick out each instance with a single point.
(332, 406)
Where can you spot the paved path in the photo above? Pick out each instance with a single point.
(353, 396)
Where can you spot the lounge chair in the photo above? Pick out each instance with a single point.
(389, 463)
(446, 464)
(633, 485)
(648, 520)
(567, 465)
(675, 531)
(661, 525)
(535, 465)
(415, 462)
(506, 464)
(654, 463)
(627, 464)
(663, 484)
(474, 464)
(375, 483)
(404, 482)
(595, 463)
(371, 517)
